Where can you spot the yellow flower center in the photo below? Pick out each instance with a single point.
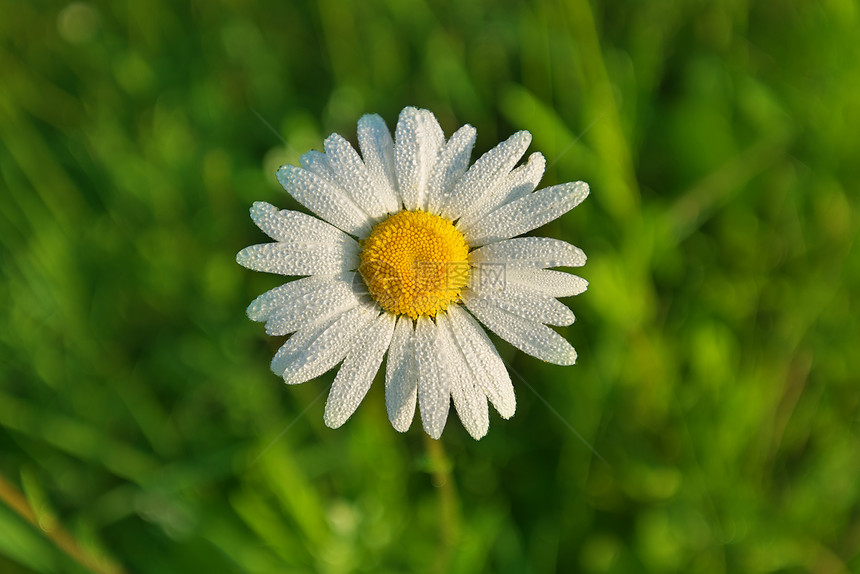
(415, 263)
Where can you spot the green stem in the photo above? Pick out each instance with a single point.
(449, 512)
(61, 538)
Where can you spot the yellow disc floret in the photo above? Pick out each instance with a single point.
(415, 263)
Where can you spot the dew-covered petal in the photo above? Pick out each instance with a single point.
(333, 298)
(299, 342)
(271, 302)
(523, 180)
(529, 252)
(418, 138)
(286, 225)
(352, 176)
(526, 213)
(525, 302)
(317, 163)
(401, 376)
(330, 347)
(532, 338)
(377, 150)
(518, 183)
(548, 281)
(470, 401)
(299, 258)
(358, 370)
(485, 364)
(485, 174)
(434, 377)
(453, 161)
(325, 199)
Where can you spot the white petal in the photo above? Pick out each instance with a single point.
(325, 199)
(486, 365)
(553, 283)
(317, 163)
(434, 377)
(377, 150)
(330, 347)
(359, 368)
(526, 213)
(352, 176)
(418, 139)
(298, 343)
(519, 183)
(529, 252)
(271, 302)
(532, 338)
(486, 173)
(523, 180)
(401, 376)
(286, 225)
(469, 401)
(525, 302)
(453, 161)
(335, 298)
(294, 258)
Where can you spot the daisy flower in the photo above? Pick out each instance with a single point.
(410, 248)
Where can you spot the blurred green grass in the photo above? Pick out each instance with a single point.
(717, 343)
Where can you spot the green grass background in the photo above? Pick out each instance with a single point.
(718, 342)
